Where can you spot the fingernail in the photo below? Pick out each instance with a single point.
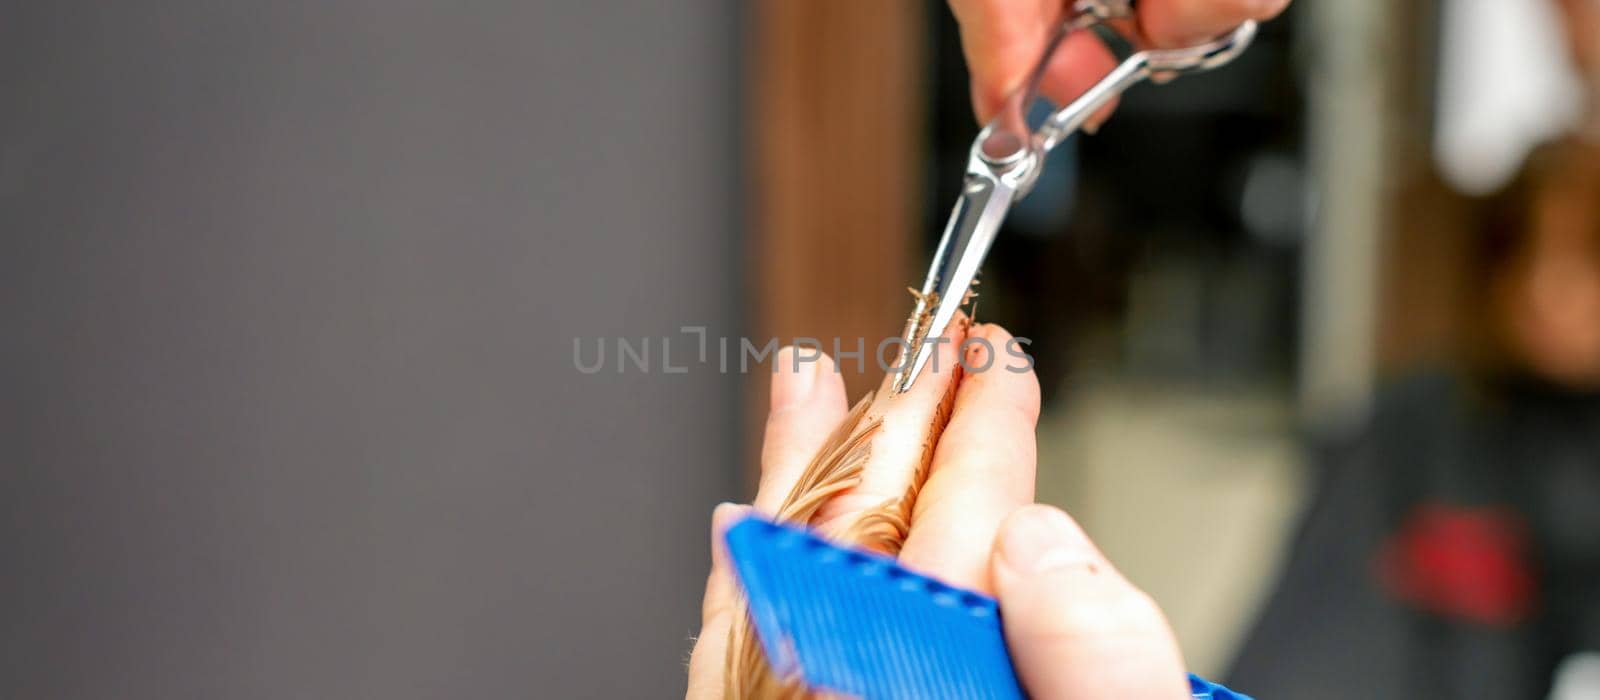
(1039, 539)
(792, 384)
(723, 517)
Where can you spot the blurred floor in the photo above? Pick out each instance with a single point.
(1193, 492)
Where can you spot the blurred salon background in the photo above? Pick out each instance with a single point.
(297, 299)
(1318, 332)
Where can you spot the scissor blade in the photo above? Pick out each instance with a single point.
(976, 218)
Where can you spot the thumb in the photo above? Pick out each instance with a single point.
(717, 610)
(1075, 627)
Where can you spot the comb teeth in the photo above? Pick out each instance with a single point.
(857, 623)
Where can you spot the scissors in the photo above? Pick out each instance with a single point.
(1008, 154)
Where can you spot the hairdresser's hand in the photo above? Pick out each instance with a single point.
(1095, 632)
(1076, 628)
(1003, 38)
(983, 469)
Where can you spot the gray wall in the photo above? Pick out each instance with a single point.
(287, 397)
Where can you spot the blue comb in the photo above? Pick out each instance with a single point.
(859, 624)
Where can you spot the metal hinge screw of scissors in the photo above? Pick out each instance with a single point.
(1008, 154)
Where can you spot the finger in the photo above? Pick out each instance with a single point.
(716, 610)
(808, 400)
(1001, 40)
(1076, 628)
(1177, 23)
(1080, 62)
(984, 466)
(1002, 51)
(707, 660)
(908, 423)
(720, 585)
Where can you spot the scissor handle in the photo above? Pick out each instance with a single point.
(1141, 65)
(1008, 140)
